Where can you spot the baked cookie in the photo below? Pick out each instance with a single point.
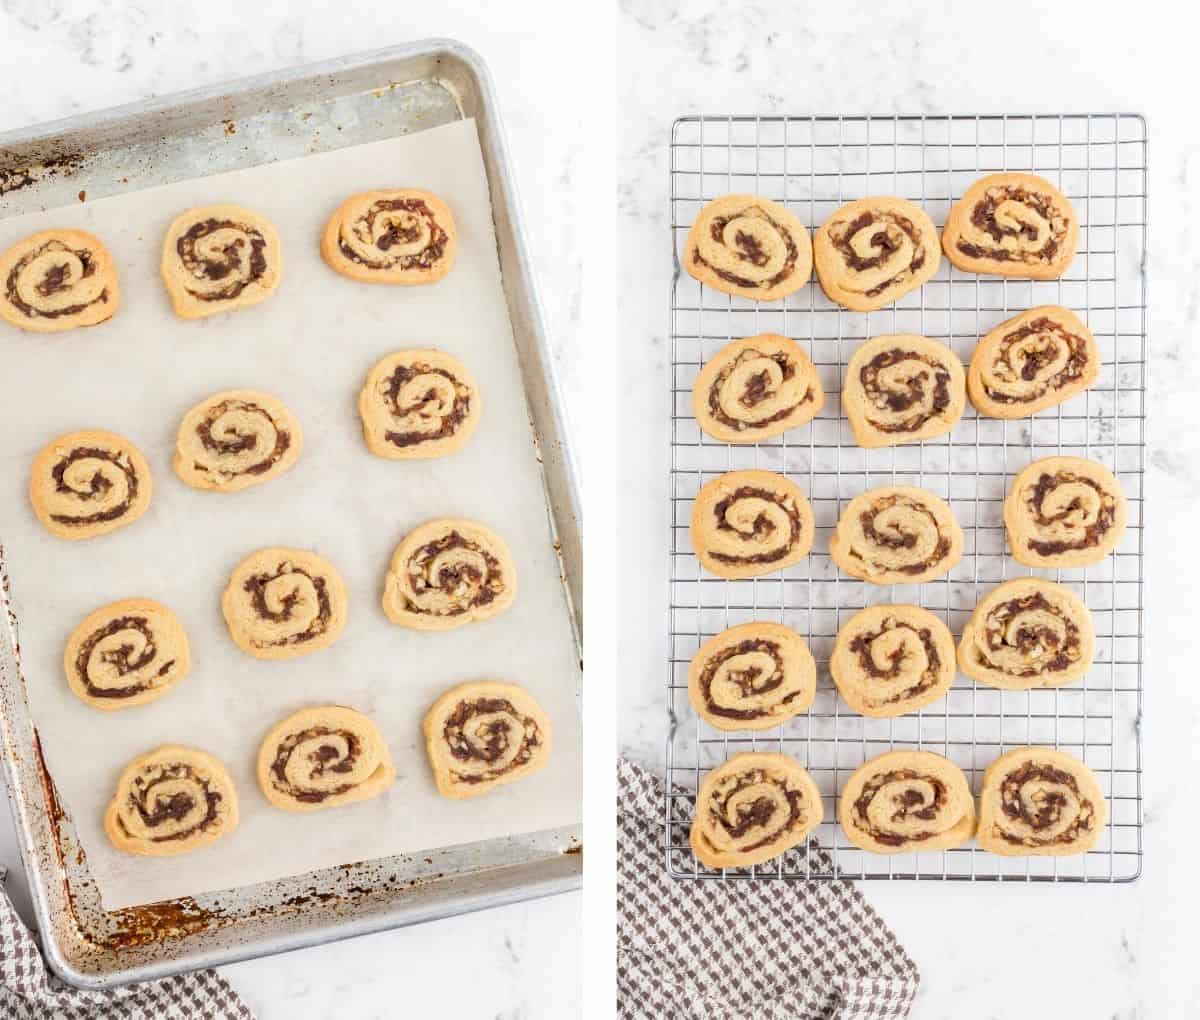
(1064, 512)
(756, 388)
(904, 801)
(418, 404)
(284, 603)
(747, 523)
(1036, 360)
(447, 573)
(1036, 801)
(1012, 225)
(902, 388)
(56, 280)
(872, 252)
(126, 653)
(889, 660)
(749, 246)
(484, 734)
(171, 801)
(88, 483)
(405, 236)
(1028, 633)
(218, 259)
(235, 439)
(753, 808)
(323, 757)
(896, 535)
(752, 677)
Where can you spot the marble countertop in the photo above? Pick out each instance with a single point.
(523, 960)
(1006, 952)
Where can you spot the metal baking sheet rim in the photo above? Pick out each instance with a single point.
(423, 900)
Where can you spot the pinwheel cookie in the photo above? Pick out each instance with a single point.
(902, 388)
(88, 483)
(171, 801)
(1027, 633)
(56, 280)
(752, 677)
(896, 535)
(484, 734)
(903, 801)
(872, 252)
(1064, 512)
(1036, 360)
(220, 258)
(235, 439)
(747, 523)
(1039, 802)
(1012, 225)
(756, 388)
(749, 246)
(401, 236)
(753, 808)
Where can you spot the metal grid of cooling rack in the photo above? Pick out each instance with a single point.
(813, 165)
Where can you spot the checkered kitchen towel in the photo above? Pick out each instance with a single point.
(743, 950)
(28, 991)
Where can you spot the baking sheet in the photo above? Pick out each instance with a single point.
(311, 345)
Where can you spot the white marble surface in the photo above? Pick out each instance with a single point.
(1012, 953)
(515, 962)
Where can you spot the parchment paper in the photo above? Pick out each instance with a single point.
(311, 345)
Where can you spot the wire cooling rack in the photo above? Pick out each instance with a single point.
(813, 165)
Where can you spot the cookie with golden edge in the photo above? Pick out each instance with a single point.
(402, 236)
(57, 280)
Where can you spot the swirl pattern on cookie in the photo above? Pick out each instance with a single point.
(56, 280)
(1036, 360)
(752, 677)
(756, 388)
(1028, 633)
(1036, 801)
(418, 404)
(484, 734)
(401, 236)
(126, 653)
(88, 483)
(747, 523)
(872, 252)
(896, 535)
(1064, 512)
(284, 603)
(904, 801)
(235, 439)
(901, 389)
(749, 246)
(753, 808)
(171, 801)
(889, 660)
(447, 573)
(218, 259)
(323, 757)
(1012, 225)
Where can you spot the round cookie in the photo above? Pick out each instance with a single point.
(89, 483)
(323, 757)
(235, 439)
(446, 573)
(56, 280)
(484, 734)
(171, 801)
(418, 404)
(220, 258)
(402, 236)
(873, 251)
(896, 534)
(284, 603)
(126, 653)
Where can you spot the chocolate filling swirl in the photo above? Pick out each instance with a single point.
(861, 646)
(757, 389)
(1091, 534)
(469, 576)
(406, 404)
(95, 487)
(68, 269)
(491, 736)
(240, 259)
(1026, 352)
(327, 759)
(740, 817)
(1046, 808)
(124, 659)
(229, 443)
(285, 584)
(748, 249)
(1020, 625)
(884, 242)
(911, 803)
(185, 794)
(984, 217)
(921, 394)
(752, 680)
(405, 221)
(760, 528)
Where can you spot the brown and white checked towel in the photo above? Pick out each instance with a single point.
(29, 991)
(743, 950)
